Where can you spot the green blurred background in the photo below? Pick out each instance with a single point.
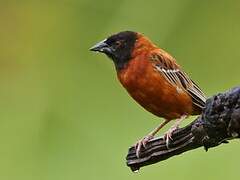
(64, 116)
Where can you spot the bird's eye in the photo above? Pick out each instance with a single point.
(118, 43)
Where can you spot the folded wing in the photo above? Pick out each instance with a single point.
(166, 65)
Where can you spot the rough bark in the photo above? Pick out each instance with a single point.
(218, 123)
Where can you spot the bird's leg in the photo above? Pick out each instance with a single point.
(147, 138)
(168, 134)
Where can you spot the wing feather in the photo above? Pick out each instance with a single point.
(173, 73)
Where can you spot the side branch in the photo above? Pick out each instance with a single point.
(219, 122)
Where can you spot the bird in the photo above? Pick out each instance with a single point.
(153, 79)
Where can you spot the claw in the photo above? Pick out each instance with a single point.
(138, 149)
(168, 136)
(142, 143)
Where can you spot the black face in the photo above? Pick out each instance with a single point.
(118, 47)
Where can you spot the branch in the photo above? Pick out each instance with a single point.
(219, 122)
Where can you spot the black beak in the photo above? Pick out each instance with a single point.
(101, 47)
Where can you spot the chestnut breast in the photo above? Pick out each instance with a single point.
(152, 91)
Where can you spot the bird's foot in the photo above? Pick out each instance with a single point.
(142, 143)
(168, 136)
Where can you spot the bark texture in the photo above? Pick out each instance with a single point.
(218, 123)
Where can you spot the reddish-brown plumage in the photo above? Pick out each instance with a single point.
(149, 88)
(153, 78)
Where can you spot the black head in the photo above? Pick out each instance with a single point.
(118, 47)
